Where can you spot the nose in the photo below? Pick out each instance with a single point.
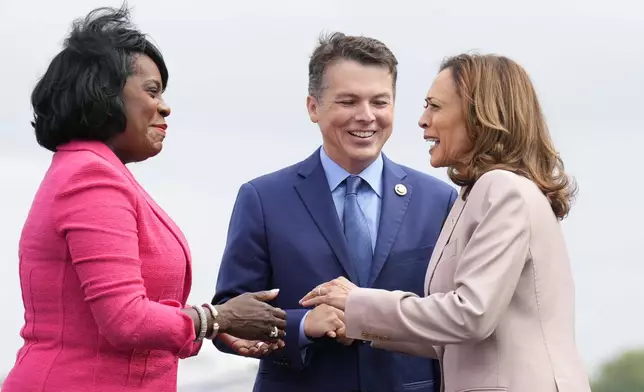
(365, 113)
(164, 109)
(423, 122)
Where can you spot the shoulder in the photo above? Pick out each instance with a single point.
(278, 177)
(502, 187)
(427, 182)
(503, 181)
(79, 170)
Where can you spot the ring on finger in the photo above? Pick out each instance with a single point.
(274, 332)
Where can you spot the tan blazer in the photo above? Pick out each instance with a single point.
(499, 309)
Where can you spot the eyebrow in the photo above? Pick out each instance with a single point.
(434, 99)
(351, 95)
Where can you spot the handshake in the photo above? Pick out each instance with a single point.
(325, 319)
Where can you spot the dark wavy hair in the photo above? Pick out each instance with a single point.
(80, 95)
(507, 128)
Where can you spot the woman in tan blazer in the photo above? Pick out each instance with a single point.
(499, 310)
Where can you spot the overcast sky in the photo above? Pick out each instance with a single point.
(238, 82)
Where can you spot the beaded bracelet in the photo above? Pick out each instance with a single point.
(203, 321)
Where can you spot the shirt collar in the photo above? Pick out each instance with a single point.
(335, 174)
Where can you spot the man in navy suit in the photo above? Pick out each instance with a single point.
(347, 210)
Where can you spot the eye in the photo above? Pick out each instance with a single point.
(429, 104)
(346, 102)
(381, 103)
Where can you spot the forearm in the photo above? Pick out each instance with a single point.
(419, 350)
(149, 325)
(399, 317)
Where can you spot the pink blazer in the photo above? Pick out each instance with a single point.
(104, 274)
(499, 310)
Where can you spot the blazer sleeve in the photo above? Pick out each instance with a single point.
(419, 350)
(96, 213)
(486, 277)
(245, 267)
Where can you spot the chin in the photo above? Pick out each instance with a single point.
(156, 149)
(436, 163)
(364, 153)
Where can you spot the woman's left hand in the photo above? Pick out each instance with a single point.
(333, 293)
(250, 348)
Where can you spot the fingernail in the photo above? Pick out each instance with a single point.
(275, 291)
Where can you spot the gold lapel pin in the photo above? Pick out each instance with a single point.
(400, 190)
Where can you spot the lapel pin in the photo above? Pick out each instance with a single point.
(400, 190)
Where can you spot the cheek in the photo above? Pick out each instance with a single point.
(461, 142)
(334, 122)
(385, 120)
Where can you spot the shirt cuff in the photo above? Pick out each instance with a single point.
(304, 340)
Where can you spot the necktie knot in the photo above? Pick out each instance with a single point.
(353, 183)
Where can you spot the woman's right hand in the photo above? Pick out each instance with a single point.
(248, 316)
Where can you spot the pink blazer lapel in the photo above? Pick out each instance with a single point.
(444, 237)
(174, 229)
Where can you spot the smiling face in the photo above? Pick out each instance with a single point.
(444, 123)
(355, 113)
(145, 112)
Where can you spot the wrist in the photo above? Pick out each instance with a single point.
(202, 329)
(306, 328)
(223, 318)
(213, 322)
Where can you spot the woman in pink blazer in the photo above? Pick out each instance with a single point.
(105, 273)
(499, 307)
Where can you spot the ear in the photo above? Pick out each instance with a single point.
(312, 106)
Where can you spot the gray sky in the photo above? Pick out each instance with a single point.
(238, 82)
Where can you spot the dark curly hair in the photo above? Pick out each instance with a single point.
(80, 95)
(507, 128)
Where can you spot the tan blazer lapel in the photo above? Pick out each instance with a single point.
(443, 238)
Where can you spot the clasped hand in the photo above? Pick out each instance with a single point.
(327, 318)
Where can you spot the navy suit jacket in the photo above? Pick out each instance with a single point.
(285, 233)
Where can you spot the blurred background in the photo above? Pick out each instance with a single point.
(238, 82)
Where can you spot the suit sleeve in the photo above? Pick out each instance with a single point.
(486, 277)
(96, 213)
(245, 267)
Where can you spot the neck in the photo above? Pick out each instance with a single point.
(352, 166)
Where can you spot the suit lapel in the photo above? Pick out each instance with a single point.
(393, 210)
(443, 238)
(316, 196)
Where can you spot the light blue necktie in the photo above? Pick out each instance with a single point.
(356, 230)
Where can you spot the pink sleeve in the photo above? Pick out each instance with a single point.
(96, 213)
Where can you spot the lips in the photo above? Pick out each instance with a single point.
(161, 128)
(362, 134)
